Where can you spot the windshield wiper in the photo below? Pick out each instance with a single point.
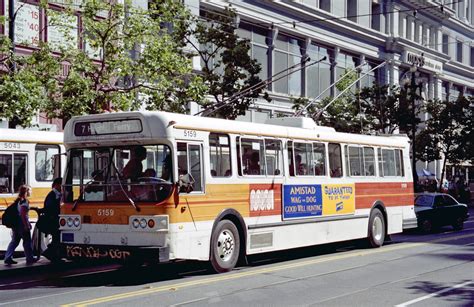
(123, 190)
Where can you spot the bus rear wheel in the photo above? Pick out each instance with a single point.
(376, 235)
(225, 246)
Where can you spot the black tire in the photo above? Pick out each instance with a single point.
(225, 247)
(426, 226)
(376, 234)
(458, 224)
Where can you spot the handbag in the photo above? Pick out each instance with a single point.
(44, 224)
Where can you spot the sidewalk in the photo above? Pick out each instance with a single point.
(21, 266)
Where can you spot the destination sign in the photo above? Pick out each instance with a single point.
(108, 127)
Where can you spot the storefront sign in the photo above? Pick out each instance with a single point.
(420, 60)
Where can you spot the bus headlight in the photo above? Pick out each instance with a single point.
(135, 223)
(148, 223)
(70, 222)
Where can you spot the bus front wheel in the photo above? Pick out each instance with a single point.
(225, 246)
(376, 228)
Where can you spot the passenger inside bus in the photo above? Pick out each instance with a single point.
(134, 167)
(4, 180)
(254, 164)
(166, 168)
(298, 166)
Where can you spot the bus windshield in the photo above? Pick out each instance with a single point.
(117, 174)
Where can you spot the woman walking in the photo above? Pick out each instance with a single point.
(22, 230)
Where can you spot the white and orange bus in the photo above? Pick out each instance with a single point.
(160, 186)
(27, 157)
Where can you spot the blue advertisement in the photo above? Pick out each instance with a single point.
(302, 200)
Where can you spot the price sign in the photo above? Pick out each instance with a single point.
(27, 23)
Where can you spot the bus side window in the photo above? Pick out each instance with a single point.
(274, 157)
(44, 155)
(219, 151)
(335, 160)
(6, 174)
(251, 157)
(291, 162)
(190, 161)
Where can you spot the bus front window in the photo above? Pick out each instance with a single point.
(116, 174)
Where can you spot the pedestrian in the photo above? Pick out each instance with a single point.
(50, 213)
(22, 230)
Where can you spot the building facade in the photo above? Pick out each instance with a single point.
(434, 36)
(348, 33)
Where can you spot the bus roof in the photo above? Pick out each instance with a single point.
(110, 128)
(30, 136)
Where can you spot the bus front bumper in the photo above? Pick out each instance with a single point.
(114, 253)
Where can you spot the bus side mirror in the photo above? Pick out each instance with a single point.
(56, 159)
(186, 183)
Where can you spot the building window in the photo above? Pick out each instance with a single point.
(345, 62)
(370, 78)
(318, 76)
(444, 91)
(375, 17)
(459, 51)
(351, 10)
(445, 44)
(287, 54)
(325, 5)
(259, 47)
(311, 3)
(472, 56)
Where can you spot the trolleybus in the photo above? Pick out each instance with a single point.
(160, 186)
(27, 157)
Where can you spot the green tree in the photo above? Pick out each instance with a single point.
(227, 67)
(132, 58)
(343, 114)
(448, 133)
(21, 93)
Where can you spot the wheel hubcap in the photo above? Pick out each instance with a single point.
(377, 228)
(225, 245)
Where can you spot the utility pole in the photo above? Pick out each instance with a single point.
(413, 126)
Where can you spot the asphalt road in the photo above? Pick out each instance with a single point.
(412, 270)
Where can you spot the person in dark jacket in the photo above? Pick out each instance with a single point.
(50, 210)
